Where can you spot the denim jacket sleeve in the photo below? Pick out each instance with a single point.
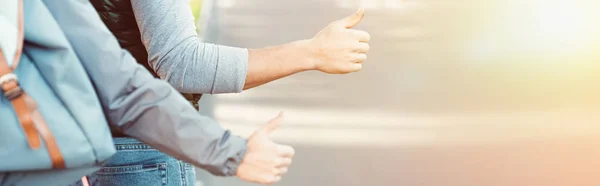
(138, 104)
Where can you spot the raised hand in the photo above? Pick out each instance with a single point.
(339, 48)
(265, 161)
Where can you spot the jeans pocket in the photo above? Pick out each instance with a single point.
(190, 173)
(132, 175)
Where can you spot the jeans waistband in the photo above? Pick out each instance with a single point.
(130, 144)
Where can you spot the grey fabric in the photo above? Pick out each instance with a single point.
(177, 54)
(141, 106)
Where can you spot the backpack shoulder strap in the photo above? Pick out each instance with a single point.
(12, 90)
(25, 107)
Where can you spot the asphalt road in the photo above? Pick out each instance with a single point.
(454, 93)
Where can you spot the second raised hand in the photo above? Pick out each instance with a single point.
(265, 161)
(338, 48)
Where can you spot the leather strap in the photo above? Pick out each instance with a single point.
(42, 127)
(31, 120)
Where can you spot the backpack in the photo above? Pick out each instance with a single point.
(50, 115)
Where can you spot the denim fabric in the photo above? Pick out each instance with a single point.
(138, 164)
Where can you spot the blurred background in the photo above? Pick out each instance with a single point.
(454, 93)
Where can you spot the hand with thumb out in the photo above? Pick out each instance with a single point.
(340, 48)
(265, 161)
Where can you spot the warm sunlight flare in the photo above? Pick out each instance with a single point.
(536, 28)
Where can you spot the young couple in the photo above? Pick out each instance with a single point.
(154, 133)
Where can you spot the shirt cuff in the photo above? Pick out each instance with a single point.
(232, 164)
(232, 68)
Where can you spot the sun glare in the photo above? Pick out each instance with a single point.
(554, 28)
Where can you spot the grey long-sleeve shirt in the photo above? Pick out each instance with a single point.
(140, 105)
(178, 56)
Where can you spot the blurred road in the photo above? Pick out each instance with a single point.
(438, 102)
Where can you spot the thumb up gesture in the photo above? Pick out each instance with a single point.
(341, 49)
(265, 161)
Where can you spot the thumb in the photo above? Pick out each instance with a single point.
(273, 124)
(353, 19)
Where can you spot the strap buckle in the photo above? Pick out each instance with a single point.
(13, 92)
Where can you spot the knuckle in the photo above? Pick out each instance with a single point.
(277, 161)
(349, 34)
(285, 163)
(267, 179)
(358, 67)
(284, 170)
(355, 34)
(359, 58)
(288, 149)
(363, 47)
(363, 57)
(366, 35)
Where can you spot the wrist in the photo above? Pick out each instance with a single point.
(233, 163)
(307, 55)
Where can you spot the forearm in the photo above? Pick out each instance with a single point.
(178, 56)
(272, 63)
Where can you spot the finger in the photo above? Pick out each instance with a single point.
(282, 171)
(271, 180)
(276, 179)
(273, 124)
(362, 47)
(286, 151)
(353, 19)
(355, 67)
(359, 58)
(284, 162)
(361, 35)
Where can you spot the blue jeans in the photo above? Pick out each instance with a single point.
(138, 164)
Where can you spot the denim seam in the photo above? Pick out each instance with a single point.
(130, 169)
(136, 146)
(183, 173)
(164, 175)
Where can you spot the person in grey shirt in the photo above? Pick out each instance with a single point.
(177, 55)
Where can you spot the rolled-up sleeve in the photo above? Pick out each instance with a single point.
(177, 54)
(140, 105)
